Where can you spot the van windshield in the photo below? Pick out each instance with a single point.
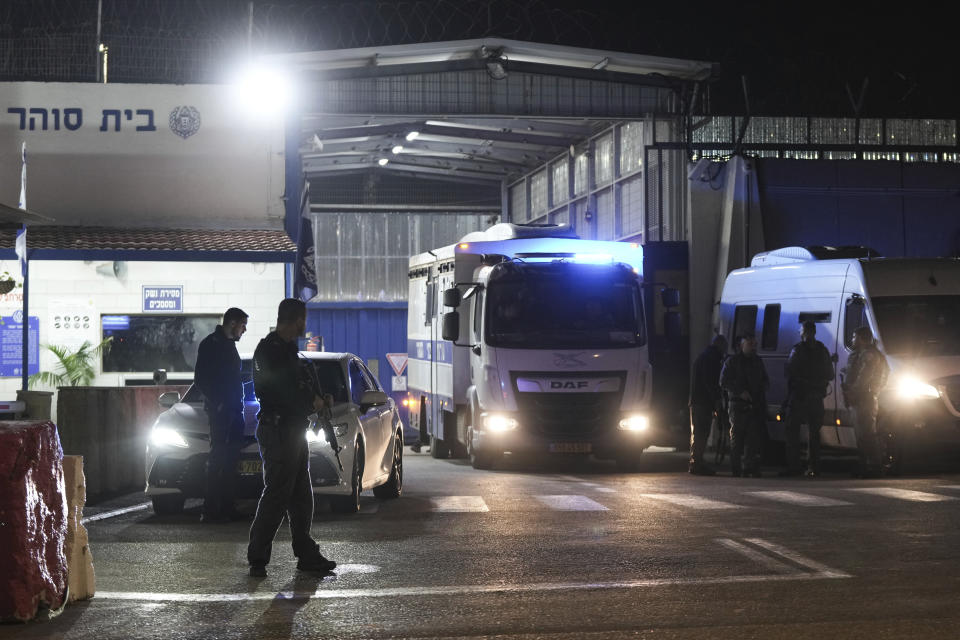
(545, 311)
(919, 325)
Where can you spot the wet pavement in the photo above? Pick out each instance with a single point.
(561, 551)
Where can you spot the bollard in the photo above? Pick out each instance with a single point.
(80, 574)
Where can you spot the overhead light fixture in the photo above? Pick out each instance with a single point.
(397, 149)
(412, 136)
(263, 91)
(383, 162)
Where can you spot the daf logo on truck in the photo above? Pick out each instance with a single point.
(568, 384)
(524, 308)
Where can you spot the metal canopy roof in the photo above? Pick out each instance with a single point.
(460, 98)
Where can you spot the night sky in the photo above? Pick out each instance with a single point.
(798, 58)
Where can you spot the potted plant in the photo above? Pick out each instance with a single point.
(7, 283)
(73, 369)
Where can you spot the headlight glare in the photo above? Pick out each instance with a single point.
(635, 423)
(499, 423)
(319, 436)
(166, 437)
(912, 389)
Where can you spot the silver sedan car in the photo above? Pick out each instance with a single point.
(364, 418)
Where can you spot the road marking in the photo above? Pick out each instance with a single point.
(691, 501)
(115, 512)
(761, 558)
(821, 569)
(459, 504)
(949, 486)
(605, 490)
(799, 499)
(571, 479)
(903, 494)
(571, 503)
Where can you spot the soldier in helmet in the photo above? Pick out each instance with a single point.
(866, 374)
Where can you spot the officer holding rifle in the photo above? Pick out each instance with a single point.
(288, 395)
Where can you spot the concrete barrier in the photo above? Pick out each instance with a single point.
(108, 427)
(80, 575)
(33, 525)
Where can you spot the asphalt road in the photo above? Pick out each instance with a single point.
(562, 551)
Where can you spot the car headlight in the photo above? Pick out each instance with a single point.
(635, 423)
(499, 423)
(912, 388)
(319, 436)
(166, 437)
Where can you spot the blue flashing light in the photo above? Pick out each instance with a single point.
(573, 249)
(593, 258)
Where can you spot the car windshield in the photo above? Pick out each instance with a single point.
(919, 325)
(547, 311)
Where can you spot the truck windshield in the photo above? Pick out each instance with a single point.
(548, 311)
(919, 325)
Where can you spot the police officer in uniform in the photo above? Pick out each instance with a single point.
(867, 371)
(744, 378)
(217, 374)
(809, 372)
(705, 401)
(286, 400)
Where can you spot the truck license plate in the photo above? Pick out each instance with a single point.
(250, 467)
(570, 447)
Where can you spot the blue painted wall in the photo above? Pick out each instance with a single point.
(369, 330)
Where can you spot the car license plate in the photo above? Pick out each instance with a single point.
(570, 447)
(250, 467)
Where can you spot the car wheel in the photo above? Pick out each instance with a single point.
(438, 448)
(394, 485)
(479, 459)
(351, 503)
(168, 505)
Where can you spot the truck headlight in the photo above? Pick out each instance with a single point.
(499, 423)
(635, 423)
(913, 389)
(166, 437)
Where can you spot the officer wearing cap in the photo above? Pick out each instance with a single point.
(217, 374)
(286, 400)
(809, 372)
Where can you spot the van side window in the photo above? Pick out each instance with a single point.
(771, 327)
(744, 320)
(856, 316)
(477, 315)
(823, 317)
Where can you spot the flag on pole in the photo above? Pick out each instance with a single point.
(20, 246)
(23, 177)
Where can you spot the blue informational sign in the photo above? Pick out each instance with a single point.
(11, 345)
(163, 299)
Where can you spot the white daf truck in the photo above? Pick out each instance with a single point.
(912, 306)
(527, 339)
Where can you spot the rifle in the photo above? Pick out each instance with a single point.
(322, 421)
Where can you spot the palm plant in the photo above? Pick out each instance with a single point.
(74, 368)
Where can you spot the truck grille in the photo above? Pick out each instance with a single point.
(569, 415)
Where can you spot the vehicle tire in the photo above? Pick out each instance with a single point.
(394, 485)
(438, 448)
(479, 459)
(351, 503)
(168, 505)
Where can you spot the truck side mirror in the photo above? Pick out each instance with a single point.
(452, 298)
(372, 398)
(451, 326)
(670, 297)
(168, 399)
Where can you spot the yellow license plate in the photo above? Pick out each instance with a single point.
(250, 467)
(571, 447)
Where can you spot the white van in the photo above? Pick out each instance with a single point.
(912, 305)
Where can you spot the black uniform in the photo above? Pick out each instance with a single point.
(218, 375)
(286, 399)
(809, 372)
(705, 399)
(747, 417)
(867, 372)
